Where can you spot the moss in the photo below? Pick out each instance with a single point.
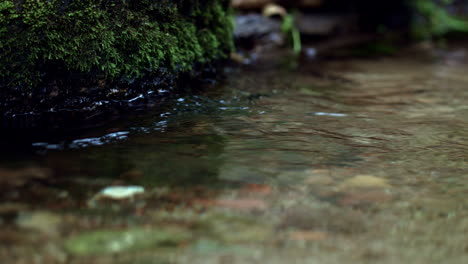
(434, 20)
(107, 39)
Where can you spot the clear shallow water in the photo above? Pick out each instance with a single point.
(365, 162)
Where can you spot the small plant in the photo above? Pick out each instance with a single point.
(289, 28)
(433, 19)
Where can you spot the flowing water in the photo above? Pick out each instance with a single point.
(354, 161)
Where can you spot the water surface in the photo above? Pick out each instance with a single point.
(356, 161)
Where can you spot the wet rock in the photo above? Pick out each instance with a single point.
(258, 37)
(69, 91)
(115, 241)
(324, 25)
(255, 26)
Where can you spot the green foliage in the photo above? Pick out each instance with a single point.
(110, 39)
(289, 28)
(435, 20)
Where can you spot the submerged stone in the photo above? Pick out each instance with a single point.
(115, 241)
(327, 219)
(365, 181)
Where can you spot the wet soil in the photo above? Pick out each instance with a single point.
(355, 161)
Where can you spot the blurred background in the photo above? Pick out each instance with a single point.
(320, 27)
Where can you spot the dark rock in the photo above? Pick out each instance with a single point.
(325, 25)
(254, 30)
(255, 26)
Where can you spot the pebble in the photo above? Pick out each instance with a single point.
(120, 192)
(364, 181)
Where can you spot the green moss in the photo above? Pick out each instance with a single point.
(434, 20)
(108, 39)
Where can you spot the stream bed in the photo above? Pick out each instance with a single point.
(342, 161)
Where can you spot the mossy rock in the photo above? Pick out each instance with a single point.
(71, 53)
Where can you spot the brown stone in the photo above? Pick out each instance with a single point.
(364, 181)
(308, 235)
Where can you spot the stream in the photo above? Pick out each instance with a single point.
(341, 161)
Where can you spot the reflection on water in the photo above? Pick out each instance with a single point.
(273, 166)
